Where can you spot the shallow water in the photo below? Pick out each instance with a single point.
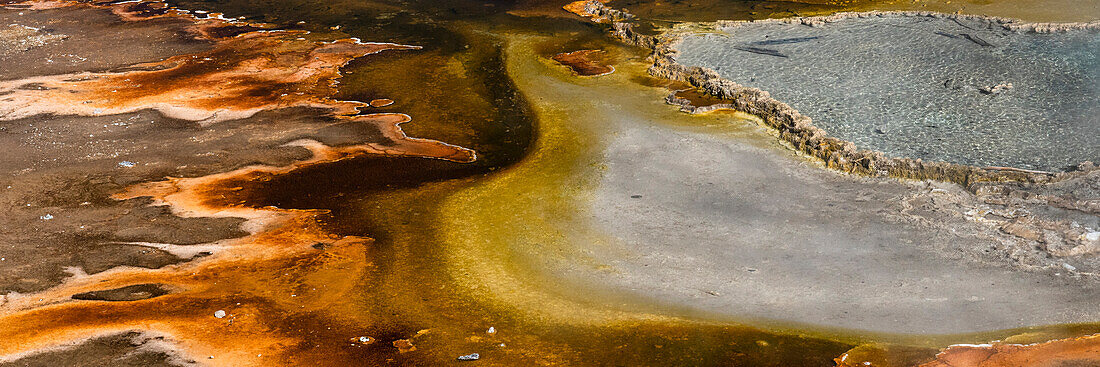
(919, 87)
(440, 251)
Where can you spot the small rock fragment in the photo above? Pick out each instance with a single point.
(469, 357)
(46, 217)
(404, 345)
(1019, 230)
(126, 164)
(996, 89)
(492, 330)
(219, 314)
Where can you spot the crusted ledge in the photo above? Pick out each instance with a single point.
(798, 130)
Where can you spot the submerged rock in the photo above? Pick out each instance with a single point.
(404, 345)
(469, 357)
(129, 293)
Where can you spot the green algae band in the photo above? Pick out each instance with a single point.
(959, 89)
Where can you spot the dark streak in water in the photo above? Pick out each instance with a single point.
(962, 25)
(945, 34)
(785, 41)
(976, 39)
(762, 51)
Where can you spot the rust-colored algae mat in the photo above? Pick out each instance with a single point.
(300, 196)
(585, 62)
(274, 284)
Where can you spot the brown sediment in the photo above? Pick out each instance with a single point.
(281, 242)
(261, 281)
(1031, 10)
(1082, 351)
(255, 306)
(236, 80)
(585, 62)
(269, 282)
(713, 10)
(122, 349)
(1006, 23)
(241, 76)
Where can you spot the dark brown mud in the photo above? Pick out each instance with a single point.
(127, 349)
(714, 10)
(66, 43)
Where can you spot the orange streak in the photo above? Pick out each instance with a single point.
(264, 281)
(585, 62)
(1082, 351)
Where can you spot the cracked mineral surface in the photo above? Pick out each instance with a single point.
(939, 87)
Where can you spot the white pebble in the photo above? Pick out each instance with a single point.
(219, 314)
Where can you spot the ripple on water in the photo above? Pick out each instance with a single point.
(962, 90)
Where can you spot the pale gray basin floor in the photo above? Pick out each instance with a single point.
(757, 233)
